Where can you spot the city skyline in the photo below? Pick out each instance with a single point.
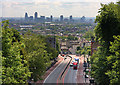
(76, 8)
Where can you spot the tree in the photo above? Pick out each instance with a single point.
(39, 58)
(0, 67)
(88, 35)
(14, 64)
(70, 37)
(108, 25)
(114, 74)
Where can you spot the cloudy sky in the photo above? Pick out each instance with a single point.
(77, 8)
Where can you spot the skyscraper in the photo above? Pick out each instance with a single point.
(61, 18)
(36, 15)
(70, 18)
(51, 18)
(83, 19)
(26, 16)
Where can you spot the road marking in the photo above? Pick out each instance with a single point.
(52, 72)
(65, 74)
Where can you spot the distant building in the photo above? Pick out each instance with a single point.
(31, 18)
(56, 20)
(51, 18)
(90, 21)
(66, 20)
(52, 41)
(26, 16)
(61, 18)
(83, 19)
(71, 18)
(36, 15)
(48, 19)
(42, 18)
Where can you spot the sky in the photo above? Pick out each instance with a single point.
(76, 8)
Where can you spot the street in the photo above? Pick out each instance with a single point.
(70, 76)
(52, 78)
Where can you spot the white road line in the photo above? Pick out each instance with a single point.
(51, 73)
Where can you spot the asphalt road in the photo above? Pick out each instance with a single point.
(54, 75)
(71, 76)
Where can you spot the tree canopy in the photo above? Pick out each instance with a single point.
(14, 64)
(105, 62)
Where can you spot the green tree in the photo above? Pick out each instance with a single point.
(108, 25)
(14, 64)
(39, 58)
(114, 74)
(89, 34)
(0, 67)
(51, 50)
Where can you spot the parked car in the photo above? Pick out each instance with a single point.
(86, 76)
(71, 64)
(65, 58)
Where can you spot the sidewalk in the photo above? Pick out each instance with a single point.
(60, 58)
(80, 74)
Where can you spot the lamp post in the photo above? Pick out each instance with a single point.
(84, 51)
(92, 41)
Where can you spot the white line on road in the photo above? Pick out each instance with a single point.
(51, 73)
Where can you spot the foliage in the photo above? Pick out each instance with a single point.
(70, 37)
(14, 64)
(39, 58)
(107, 23)
(114, 74)
(79, 48)
(0, 53)
(88, 35)
(105, 62)
(99, 66)
(86, 50)
(54, 51)
(40, 51)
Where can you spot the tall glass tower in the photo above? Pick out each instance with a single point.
(36, 15)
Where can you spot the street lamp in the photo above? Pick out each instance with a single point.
(84, 50)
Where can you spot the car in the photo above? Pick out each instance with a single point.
(86, 76)
(73, 61)
(65, 58)
(71, 64)
(75, 65)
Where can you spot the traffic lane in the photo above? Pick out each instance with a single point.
(52, 78)
(71, 76)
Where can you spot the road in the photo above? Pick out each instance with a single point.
(71, 76)
(54, 75)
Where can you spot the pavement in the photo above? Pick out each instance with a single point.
(80, 74)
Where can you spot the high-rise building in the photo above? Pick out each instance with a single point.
(36, 15)
(42, 18)
(31, 18)
(48, 19)
(83, 19)
(61, 18)
(70, 18)
(51, 18)
(26, 16)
